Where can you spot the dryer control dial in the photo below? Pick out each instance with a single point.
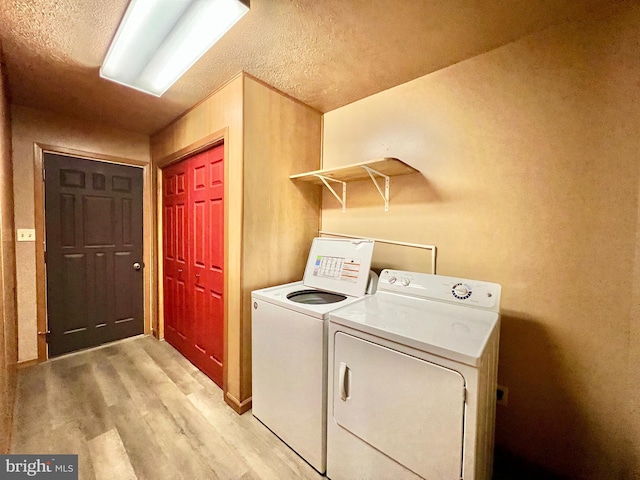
(461, 291)
(405, 281)
(392, 280)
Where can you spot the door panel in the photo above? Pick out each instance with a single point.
(101, 299)
(216, 256)
(199, 233)
(93, 237)
(416, 417)
(122, 264)
(193, 235)
(215, 343)
(74, 292)
(99, 221)
(174, 254)
(206, 282)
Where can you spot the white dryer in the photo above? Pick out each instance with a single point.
(412, 386)
(289, 343)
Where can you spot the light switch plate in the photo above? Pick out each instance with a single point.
(26, 234)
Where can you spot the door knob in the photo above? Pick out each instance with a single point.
(137, 266)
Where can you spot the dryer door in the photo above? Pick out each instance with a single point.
(409, 409)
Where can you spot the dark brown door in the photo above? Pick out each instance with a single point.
(193, 233)
(94, 252)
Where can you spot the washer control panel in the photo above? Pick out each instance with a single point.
(439, 287)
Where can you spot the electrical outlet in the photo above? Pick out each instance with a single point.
(26, 234)
(502, 395)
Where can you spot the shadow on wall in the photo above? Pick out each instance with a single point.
(543, 425)
(507, 466)
(403, 190)
(311, 193)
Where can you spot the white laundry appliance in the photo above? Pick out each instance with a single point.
(289, 343)
(412, 380)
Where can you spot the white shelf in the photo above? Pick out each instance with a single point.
(383, 168)
(348, 173)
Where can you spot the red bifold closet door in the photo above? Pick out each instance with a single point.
(193, 223)
(175, 254)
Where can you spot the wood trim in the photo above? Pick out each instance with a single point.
(158, 273)
(227, 209)
(239, 407)
(242, 367)
(27, 363)
(41, 272)
(196, 147)
(148, 250)
(39, 150)
(219, 137)
(71, 152)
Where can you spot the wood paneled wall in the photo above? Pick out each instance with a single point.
(281, 137)
(268, 220)
(8, 320)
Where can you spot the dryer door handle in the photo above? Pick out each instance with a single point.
(345, 382)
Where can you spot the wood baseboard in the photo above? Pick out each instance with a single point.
(27, 363)
(238, 406)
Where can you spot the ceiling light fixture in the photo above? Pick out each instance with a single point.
(159, 40)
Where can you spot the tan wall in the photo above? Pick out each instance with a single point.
(529, 163)
(8, 325)
(31, 126)
(281, 138)
(221, 110)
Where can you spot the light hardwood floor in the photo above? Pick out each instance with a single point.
(138, 409)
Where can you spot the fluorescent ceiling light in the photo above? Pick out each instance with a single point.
(159, 40)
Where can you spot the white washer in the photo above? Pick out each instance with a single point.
(413, 373)
(289, 343)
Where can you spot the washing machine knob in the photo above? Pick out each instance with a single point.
(405, 282)
(461, 290)
(392, 280)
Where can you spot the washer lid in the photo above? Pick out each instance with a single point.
(338, 265)
(315, 297)
(278, 296)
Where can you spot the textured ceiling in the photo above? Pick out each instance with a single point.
(326, 53)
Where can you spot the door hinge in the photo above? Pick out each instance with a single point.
(46, 335)
(464, 395)
(44, 174)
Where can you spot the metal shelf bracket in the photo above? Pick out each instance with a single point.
(384, 168)
(343, 200)
(385, 196)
